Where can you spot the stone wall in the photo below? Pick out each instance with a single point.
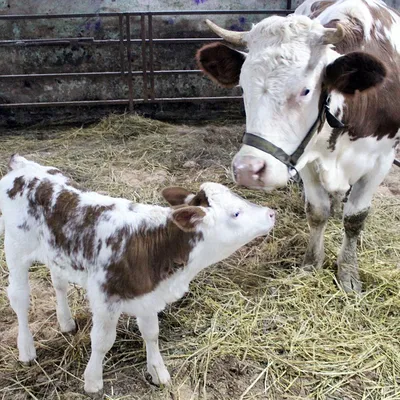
(97, 58)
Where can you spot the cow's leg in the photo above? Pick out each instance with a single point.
(67, 323)
(149, 329)
(19, 295)
(318, 211)
(105, 319)
(354, 215)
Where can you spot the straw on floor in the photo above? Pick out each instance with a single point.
(252, 327)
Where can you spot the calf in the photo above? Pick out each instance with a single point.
(131, 258)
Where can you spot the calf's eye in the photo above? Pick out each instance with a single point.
(305, 92)
(237, 213)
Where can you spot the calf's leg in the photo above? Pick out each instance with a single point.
(318, 209)
(105, 319)
(67, 323)
(19, 295)
(149, 329)
(354, 216)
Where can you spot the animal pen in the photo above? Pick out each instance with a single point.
(254, 326)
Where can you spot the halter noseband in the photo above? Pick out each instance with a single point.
(291, 160)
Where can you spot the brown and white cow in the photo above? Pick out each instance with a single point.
(131, 258)
(321, 90)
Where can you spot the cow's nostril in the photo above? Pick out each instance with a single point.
(257, 174)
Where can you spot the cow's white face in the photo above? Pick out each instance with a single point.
(281, 82)
(288, 61)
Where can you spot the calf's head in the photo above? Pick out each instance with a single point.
(224, 218)
(289, 62)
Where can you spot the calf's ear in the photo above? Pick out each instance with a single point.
(187, 218)
(175, 195)
(354, 71)
(220, 63)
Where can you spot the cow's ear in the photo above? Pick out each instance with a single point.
(221, 63)
(354, 71)
(187, 218)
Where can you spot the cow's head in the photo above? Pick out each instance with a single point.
(289, 60)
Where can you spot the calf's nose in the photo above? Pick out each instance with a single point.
(249, 171)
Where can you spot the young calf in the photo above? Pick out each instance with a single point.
(131, 258)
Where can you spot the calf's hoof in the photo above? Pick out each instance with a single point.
(69, 327)
(349, 281)
(94, 389)
(159, 375)
(27, 352)
(28, 363)
(96, 395)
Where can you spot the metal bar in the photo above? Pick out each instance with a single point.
(396, 162)
(67, 42)
(289, 5)
(139, 13)
(129, 55)
(144, 61)
(119, 102)
(121, 43)
(151, 56)
(49, 41)
(97, 74)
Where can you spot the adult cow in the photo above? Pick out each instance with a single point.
(330, 112)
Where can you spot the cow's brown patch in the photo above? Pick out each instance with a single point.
(149, 256)
(220, 63)
(318, 7)
(18, 188)
(376, 111)
(354, 224)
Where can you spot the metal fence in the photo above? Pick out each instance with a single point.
(124, 41)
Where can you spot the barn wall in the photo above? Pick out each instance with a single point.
(95, 58)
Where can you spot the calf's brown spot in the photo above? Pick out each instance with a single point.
(18, 188)
(149, 256)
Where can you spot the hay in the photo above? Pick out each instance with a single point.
(254, 326)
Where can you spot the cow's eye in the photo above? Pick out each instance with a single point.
(236, 214)
(305, 92)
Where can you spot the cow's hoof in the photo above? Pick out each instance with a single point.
(349, 283)
(311, 267)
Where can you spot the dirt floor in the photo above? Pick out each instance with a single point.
(252, 327)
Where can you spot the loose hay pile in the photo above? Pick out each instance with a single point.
(252, 327)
